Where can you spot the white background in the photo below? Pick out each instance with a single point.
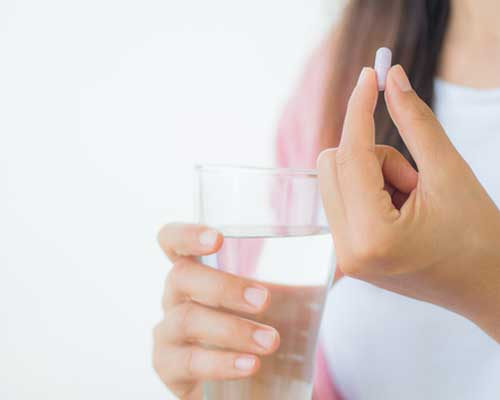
(105, 105)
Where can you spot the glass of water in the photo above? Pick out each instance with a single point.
(276, 234)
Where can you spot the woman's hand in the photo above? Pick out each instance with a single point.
(196, 321)
(432, 235)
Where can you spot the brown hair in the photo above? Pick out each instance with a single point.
(413, 29)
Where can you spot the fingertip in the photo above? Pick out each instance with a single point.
(367, 76)
(399, 78)
(324, 156)
(368, 80)
(365, 94)
(181, 239)
(396, 99)
(397, 87)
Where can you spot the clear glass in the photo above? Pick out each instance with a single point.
(275, 233)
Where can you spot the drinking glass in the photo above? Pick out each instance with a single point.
(275, 233)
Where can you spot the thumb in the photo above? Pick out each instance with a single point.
(418, 126)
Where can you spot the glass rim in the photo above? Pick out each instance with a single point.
(223, 168)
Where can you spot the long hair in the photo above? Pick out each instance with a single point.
(413, 29)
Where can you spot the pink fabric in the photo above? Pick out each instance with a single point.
(300, 124)
(324, 388)
(298, 147)
(240, 260)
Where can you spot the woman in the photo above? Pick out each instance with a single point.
(434, 235)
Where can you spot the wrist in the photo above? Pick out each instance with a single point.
(484, 297)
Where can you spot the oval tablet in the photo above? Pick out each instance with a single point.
(383, 62)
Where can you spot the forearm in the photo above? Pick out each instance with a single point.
(486, 308)
(480, 282)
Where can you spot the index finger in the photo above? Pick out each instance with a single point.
(419, 128)
(180, 240)
(218, 289)
(358, 134)
(359, 171)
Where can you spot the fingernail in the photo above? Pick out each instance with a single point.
(400, 78)
(264, 338)
(208, 238)
(244, 363)
(255, 296)
(362, 75)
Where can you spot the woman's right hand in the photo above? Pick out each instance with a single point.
(200, 338)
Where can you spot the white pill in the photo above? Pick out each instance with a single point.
(383, 62)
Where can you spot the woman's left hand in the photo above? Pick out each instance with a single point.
(432, 235)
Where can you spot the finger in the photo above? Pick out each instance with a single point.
(396, 169)
(330, 192)
(193, 363)
(192, 280)
(178, 240)
(358, 134)
(191, 322)
(421, 131)
(359, 173)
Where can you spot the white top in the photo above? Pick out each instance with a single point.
(381, 345)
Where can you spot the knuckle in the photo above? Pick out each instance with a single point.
(374, 250)
(171, 330)
(161, 362)
(183, 390)
(168, 290)
(169, 283)
(168, 365)
(157, 364)
(350, 268)
(366, 255)
(182, 317)
(188, 361)
(158, 332)
(177, 272)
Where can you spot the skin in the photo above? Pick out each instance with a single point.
(440, 240)
(471, 51)
(194, 302)
(408, 232)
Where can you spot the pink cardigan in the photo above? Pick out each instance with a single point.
(298, 146)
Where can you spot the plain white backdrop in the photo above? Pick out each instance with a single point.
(105, 106)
